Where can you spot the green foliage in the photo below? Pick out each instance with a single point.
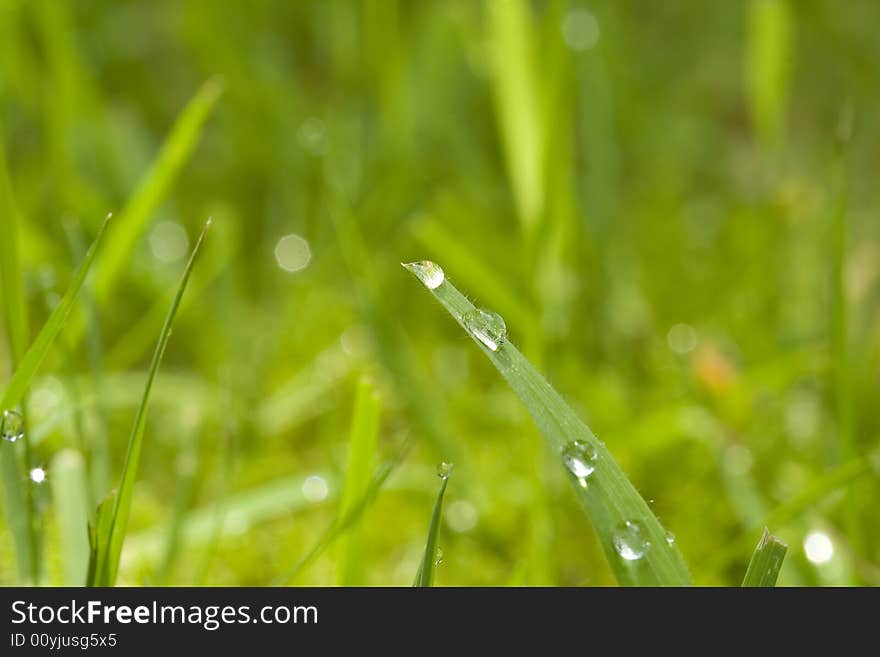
(672, 207)
(766, 561)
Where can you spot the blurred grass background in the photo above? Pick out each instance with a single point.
(673, 205)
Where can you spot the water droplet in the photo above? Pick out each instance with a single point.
(487, 327)
(670, 538)
(439, 557)
(630, 541)
(37, 475)
(444, 469)
(315, 488)
(12, 426)
(580, 460)
(292, 253)
(427, 272)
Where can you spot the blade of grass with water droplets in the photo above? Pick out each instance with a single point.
(425, 575)
(608, 498)
(361, 456)
(112, 551)
(17, 498)
(766, 561)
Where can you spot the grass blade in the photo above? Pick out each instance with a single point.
(344, 522)
(516, 93)
(99, 537)
(154, 186)
(609, 499)
(109, 555)
(766, 561)
(11, 276)
(16, 505)
(425, 576)
(361, 456)
(32, 358)
(70, 498)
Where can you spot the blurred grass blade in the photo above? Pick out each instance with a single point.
(766, 561)
(16, 506)
(99, 538)
(516, 98)
(768, 66)
(609, 499)
(344, 522)
(70, 498)
(11, 270)
(34, 356)
(425, 575)
(112, 551)
(361, 457)
(153, 187)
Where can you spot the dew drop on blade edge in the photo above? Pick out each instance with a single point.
(11, 426)
(429, 273)
(486, 326)
(444, 469)
(580, 459)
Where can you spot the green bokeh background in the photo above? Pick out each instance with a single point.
(673, 205)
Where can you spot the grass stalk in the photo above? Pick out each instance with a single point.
(110, 552)
(766, 562)
(617, 511)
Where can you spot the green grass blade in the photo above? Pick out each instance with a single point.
(70, 498)
(110, 561)
(99, 537)
(345, 522)
(425, 575)
(153, 187)
(32, 358)
(361, 457)
(766, 561)
(609, 499)
(11, 271)
(16, 505)
(768, 66)
(516, 95)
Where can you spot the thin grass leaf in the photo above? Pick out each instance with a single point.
(108, 564)
(516, 93)
(344, 522)
(766, 561)
(153, 187)
(32, 358)
(768, 65)
(361, 456)
(11, 271)
(614, 507)
(19, 505)
(70, 498)
(99, 537)
(15, 503)
(425, 575)
(840, 478)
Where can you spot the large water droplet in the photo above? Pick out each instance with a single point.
(438, 557)
(12, 426)
(630, 541)
(444, 469)
(37, 475)
(670, 538)
(427, 272)
(486, 326)
(580, 460)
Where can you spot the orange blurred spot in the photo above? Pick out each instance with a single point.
(712, 369)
